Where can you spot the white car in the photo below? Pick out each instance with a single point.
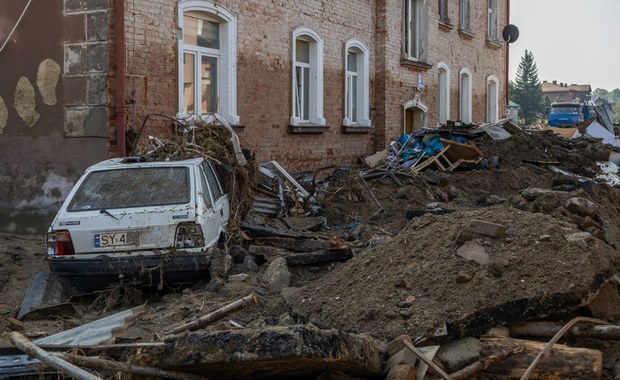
(135, 222)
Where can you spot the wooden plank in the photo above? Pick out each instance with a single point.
(458, 150)
(562, 363)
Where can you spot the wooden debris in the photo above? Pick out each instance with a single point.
(397, 344)
(564, 363)
(401, 372)
(303, 245)
(110, 365)
(426, 360)
(549, 329)
(25, 345)
(310, 258)
(374, 160)
(473, 370)
(15, 324)
(459, 151)
(214, 316)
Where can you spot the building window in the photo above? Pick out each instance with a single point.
(444, 15)
(492, 21)
(207, 60)
(415, 30)
(465, 96)
(443, 95)
(307, 78)
(465, 21)
(492, 98)
(356, 89)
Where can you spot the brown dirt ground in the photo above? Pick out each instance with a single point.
(395, 257)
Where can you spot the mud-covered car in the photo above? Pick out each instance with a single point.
(131, 222)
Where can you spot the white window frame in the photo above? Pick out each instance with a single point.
(492, 20)
(315, 107)
(227, 56)
(465, 16)
(492, 98)
(465, 95)
(415, 30)
(363, 84)
(443, 93)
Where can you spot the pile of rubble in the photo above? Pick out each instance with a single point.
(460, 252)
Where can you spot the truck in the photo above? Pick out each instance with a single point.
(567, 114)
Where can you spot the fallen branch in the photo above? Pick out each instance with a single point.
(25, 345)
(555, 338)
(473, 370)
(214, 316)
(426, 360)
(113, 366)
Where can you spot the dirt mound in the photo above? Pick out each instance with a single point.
(533, 271)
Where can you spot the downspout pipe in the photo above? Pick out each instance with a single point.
(507, 56)
(119, 53)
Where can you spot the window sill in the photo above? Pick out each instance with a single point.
(238, 128)
(445, 24)
(466, 33)
(494, 44)
(357, 129)
(307, 129)
(415, 64)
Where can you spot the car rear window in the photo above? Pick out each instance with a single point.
(139, 187)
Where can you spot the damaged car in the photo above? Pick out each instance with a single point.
(130, 221)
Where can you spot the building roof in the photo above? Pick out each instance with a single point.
(564, 87)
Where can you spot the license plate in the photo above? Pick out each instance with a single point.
(110, 240)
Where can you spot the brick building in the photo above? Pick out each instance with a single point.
(564, 92)
(306, 83)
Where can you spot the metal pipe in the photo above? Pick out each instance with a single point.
(119, 53)
(507, 57)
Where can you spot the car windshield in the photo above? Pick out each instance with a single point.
(139, 187)
(565, 110)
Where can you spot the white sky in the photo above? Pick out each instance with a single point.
(573, 41)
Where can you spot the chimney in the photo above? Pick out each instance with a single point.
(544, 81)
(555, 82)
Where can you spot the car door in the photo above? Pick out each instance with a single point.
(220, 199)
(211, 217)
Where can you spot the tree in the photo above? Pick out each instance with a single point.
(527, 89)
(600, 93)
(617, 111)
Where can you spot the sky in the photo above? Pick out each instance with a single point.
(573, 41)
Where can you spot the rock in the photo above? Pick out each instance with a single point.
(544, 238)
(580, 206)
(606, 304)
(463, 237)
(249, 264)
(473, 251)
(532, 193)
(459, 354)
(464, 276)
(580, 239)
(434, 206)
(237, 253)
(238, 277)
(277, 275)
(490, 229)
(221, 263)
(215, 284)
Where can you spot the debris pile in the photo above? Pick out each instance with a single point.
(463, 252)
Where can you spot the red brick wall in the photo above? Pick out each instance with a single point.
(264, 33)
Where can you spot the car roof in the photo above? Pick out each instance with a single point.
(135, 162)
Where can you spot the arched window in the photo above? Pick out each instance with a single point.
(443, 93)
(207, 59)
(492, 98)
(307, 77)
(465, 96)
(356, 89)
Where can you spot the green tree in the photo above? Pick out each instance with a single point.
(617, 112)
(614, 96)
(527, 89)
(600, 93)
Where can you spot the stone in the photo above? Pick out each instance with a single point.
(84, 58)
(464, 276)
(237, 253)
(490, 229)
(544, 238)
(473, 251)
(580, 206)
(580, 239)
(221, 263)
(532, 193)
(238, 277)
(97, 26)
(606, 303)
(277, 275)
(249, 264)
(4, 115)
(459, 354)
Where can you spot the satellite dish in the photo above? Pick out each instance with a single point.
(510, 33)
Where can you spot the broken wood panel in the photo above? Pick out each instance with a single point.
(311, 258)
(459, 151)
(562, 362)
(272, 352)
